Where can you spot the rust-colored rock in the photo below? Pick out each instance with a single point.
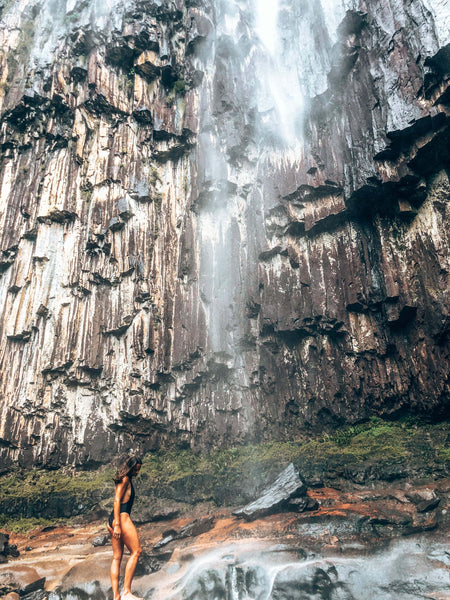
(353, 535)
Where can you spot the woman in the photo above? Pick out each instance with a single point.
(122, 530)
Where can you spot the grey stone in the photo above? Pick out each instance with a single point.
(124, 209)
(287, 485)
(116, 224)
(165, 540)
(3, 542)
(197, 528)
(101, 540)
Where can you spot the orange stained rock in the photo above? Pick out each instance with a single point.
(325, 492)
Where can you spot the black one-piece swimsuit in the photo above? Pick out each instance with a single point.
(125, 507)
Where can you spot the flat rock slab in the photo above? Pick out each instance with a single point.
(286, 486)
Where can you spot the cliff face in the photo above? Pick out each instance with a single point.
(215, 228)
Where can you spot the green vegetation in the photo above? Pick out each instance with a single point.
(130, 76)
(22, 525)
(179, 87)
(154, 177)
(373, 450)
(377, 442)
(377, 449)
(157, 201)
(33, 484)
(39, 497)
(87, 190)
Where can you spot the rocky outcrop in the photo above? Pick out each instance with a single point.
(358, 539)
(287, 491)
(188, 257)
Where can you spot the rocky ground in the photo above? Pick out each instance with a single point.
(383, 541)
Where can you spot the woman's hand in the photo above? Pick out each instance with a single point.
(117, 532)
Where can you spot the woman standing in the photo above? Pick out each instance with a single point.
(122, 530)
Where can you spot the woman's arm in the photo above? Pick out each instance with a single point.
(119, 494)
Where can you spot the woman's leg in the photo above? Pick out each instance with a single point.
(131, 540)
(117, 546)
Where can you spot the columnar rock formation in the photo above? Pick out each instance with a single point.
(210, 236)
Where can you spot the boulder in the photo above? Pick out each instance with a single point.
(101, 540)
(12, 550)
(3, 542)
(150, 563)
(36, 595)
(276, 497)
(7, 549)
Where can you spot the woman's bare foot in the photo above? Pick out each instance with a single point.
(130, 596)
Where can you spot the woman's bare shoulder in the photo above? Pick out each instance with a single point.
(123, 484)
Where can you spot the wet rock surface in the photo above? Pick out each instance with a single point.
(193, 529)
(173, 271)
(357, 544)
(285, 491)
(24, 582)
(6, 548)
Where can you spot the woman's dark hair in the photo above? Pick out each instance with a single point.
(127, 468)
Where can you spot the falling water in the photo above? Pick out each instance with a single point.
(414, 568)
(268, 58)
(280, 91)
(52, 20)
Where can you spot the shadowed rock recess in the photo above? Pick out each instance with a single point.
(174, 269)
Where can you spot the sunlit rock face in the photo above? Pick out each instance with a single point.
(220, 221)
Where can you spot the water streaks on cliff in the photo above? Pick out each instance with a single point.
(219, 223)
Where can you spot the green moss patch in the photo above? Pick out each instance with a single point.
(376, 450)
(41, 494)
(22, 525)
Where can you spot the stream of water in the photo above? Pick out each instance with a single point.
(417, 568)
(408, 570)
(267, 59)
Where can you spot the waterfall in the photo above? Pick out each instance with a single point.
(264, 65)
(205, 172)
(250, 571)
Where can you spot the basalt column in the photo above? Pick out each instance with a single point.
(221, 221)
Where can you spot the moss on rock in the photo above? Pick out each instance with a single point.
(376, 450)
